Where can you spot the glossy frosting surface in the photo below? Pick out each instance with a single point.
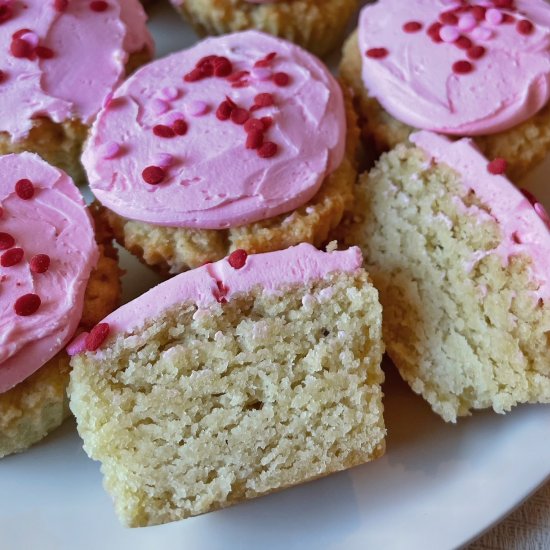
(89, 50)
(413, 75)
(54, 222)
(212, 179)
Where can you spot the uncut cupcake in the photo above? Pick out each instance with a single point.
(233, 380)
(479, 69)
(461, 259)
(51, 84)
(240, 142)
(56, 279)
(318, 25)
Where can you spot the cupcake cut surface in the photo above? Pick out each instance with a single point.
(457, 67)
(47, 252)
(234, 130)
(62, 59)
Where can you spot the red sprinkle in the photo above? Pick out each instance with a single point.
(281, 79)
(507, 19)
(239, 115)
(507, 4)
(222, 67)
(267, 122)
(6, 241)
(237, 258)
(97, 336)
(412, 26)
(11, 257)
(180, 127)
(3, 76)
(254, 124)
(43, 52)
(448, 18)
(266, 61)
(163, 131)
(24, 189)
(61, 5)
(497, 166)
(237, 76)
(254, 139)
(433, 32)
(475, 52)
(194, 75)
(6, 13)
(264, 100)
(1, 212)
(462, 67)
(479, 12)
(20, 48)
(40, 263)
(27, 304)
(224, 110)
(376, 53)
(153, 175)
(529, 196)
(525, 27)
(221, 293)
(463, 42)
(267, 150)
(98, 5)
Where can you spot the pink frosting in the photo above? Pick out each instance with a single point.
(411, 73)
(53, 222)
(296, 265)
(524, 231)
(212, 179)
(90, 50)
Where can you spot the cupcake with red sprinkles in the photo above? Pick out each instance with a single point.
(51, 85)
(457, 67)
(56, 279)
(317, 25)
(242, 142)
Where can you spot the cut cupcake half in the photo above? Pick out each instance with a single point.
(461, 258)
(233, 380)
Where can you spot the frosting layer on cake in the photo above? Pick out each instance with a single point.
(62, 59)
(43, 216)
(464, 68)
(236, 129)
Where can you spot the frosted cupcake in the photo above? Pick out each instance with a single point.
(462, 261)
(234, 380)
(478, 69)
(241, 142)
(51, 85)
(317, 25)
(56, 278)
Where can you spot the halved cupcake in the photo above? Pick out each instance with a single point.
(51, 85)
(56, 279)
(241, 142)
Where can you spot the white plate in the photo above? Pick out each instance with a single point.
(438, 486)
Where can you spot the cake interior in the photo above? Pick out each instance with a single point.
(202, 408)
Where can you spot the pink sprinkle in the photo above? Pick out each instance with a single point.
(171, 118)
(30, 38)
(493, 16)
(543, 214)
(197, 108)
(77, 345)
(467, 22)
(481, 33)
(170, 93)
(262, 73)
(448, 33)
(164, 160)
(159, 106)
(110, 150)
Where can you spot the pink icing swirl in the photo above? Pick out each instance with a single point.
(297, 265)
(465, 68)
(55, 222)
(89, 50)
(213, 180)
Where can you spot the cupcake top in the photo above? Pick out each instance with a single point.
(233, 130)
(219, 282)
(524, 224)
(457, 67)
(62, 58)
(47, 251)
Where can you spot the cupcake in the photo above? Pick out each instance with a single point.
(461, 258)
(51, 83)
(318, 25)
(56, 279)
(233, 380)
(479, 69)
(241, 142)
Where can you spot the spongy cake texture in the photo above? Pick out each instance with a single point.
(462, 325)
(204, 408)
